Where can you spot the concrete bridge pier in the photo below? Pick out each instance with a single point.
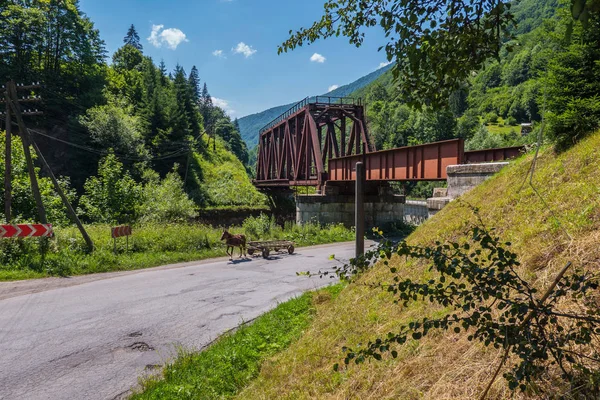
(336, 202)
(336, 205)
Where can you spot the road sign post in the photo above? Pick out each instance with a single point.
(120, 231)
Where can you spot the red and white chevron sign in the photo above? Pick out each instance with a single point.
(119, 231)
(25, 230)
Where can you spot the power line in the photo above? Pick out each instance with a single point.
(181, 151)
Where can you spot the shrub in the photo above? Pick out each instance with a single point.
(512, 121)
(573, 82)
(258, 227)
(166, 200)
(483, 139)
(491, 118)
(112, 196)
(476, 281)
(23, 203)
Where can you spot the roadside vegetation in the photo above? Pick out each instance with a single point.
(555, 221)
(230, 363)
(151, 245)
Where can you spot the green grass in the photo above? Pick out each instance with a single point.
(235, 359)
(150, 246)
(446, 365)
(502, 129)
(223, 179)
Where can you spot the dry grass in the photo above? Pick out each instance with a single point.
(564, 226)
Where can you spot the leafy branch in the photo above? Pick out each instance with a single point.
(478, 283)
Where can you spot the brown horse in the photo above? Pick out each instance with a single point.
(233, 241)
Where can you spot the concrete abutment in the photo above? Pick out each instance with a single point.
(336, 205)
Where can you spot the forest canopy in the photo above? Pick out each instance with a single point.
(148, 118)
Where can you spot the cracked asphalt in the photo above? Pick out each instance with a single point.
(92, 337)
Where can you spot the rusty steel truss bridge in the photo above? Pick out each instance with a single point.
(320, 140)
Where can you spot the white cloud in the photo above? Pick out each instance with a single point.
(332, 88)
(317, 58)
(224, 104)
(384, 64)
(171, 37)
(243, 48)
(218, 54)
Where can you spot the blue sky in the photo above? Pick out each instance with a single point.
(234, 45)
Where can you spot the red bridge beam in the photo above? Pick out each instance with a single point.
(491, 155)
(414, 163)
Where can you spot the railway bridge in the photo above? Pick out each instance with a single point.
(318, 142)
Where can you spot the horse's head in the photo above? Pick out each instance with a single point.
(226, 235)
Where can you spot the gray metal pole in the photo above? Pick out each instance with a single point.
(359, 213)
(7, 161)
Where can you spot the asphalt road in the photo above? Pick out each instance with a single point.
(92, 337)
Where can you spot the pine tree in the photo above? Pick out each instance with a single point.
(194, 81)
(163, 72)
(206, 109)
(132, 38)
(206, 99)
(236, 124)
(180, 121)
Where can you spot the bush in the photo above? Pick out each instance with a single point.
(257, 228)
(23, 203)
(573, 82)
(491, 118)
(166, 200)
(579, 118)
(512, 121)
(112, 196)
(483, 139)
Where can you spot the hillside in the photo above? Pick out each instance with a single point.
(491, 104)
(251, 124)
(446, 365)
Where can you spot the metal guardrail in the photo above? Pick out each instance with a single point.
(328, 100)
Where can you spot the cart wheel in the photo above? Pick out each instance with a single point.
(250, 251)
(265, 253)
(291, 249)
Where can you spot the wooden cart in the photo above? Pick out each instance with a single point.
(265, 247)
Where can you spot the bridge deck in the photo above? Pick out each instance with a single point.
(412, 163)
(322, 139)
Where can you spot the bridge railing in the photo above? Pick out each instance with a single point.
(292, 110)
(337, 100)
(329, 100)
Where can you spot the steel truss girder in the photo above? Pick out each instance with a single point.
(298, 148)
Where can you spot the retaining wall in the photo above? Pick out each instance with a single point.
(340, 209)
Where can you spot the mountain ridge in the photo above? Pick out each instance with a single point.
(251, 124)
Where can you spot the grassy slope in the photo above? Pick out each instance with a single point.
(223, 180)
(235, 359)
(446, 365)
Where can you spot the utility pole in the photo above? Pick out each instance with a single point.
(11, 89)
(13, 102)
(7, 163)
(64, 199)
